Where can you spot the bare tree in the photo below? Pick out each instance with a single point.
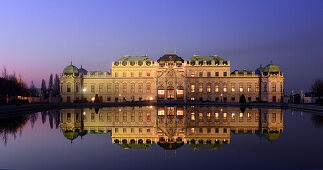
(317, 87)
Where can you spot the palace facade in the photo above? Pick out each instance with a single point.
(172, 126)
(201, 78)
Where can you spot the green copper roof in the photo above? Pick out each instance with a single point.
(135, 58)
(241, 72)
(71, 69)
(271, 136)
(134, 145)
(70, 135)
(206, 146)
(206, 58)
(271, 68)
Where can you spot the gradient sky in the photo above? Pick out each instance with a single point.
(42, 37)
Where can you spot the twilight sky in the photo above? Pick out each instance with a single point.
(42, 37)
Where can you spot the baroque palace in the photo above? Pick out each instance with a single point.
(201, 78)
(171, 127)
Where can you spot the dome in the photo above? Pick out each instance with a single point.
(69, 70)
(82, 71)
(70, 135)
(271, 68)
(271, 136)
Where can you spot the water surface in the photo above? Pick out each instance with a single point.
(175, 137)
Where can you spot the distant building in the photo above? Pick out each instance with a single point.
(201, 78)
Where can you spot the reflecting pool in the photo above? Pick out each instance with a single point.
(163, 137)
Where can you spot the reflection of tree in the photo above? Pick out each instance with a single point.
(317, 120)
(11, 126)
(53, 118)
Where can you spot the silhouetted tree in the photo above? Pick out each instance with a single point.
(242, 99)
(32, 90)
(56, 89)
(43, 88)
(317, 87)
(50, 83)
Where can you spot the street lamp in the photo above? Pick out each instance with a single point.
(221, 97)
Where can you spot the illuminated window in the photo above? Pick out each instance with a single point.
(148, 116)
(233, 88)
(192, 74)
(161, 92)
(192, 130)
(257, 117)
(257, 87)
(101, 88)
(224, 88)
(179, 91)
(249, 116)
(241, 87)
(161, 111)
(148, 88)
(192, 88)
(200, 116)
(241, 116)
(208, 115)
(233, 116)
(216, 116)
(249, 88)
(216, 88)
(180, 111)
(225, 116)
(200, 88)
(192, 98)
(208, 88)
(192, 116)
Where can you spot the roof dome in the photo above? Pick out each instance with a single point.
(69, 70)
(271, 68)
(70, 135)
(82, 71)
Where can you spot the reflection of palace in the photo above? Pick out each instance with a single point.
(201, 78)
(172, 126)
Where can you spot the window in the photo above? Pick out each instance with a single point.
(101, 88)
(109, 116)
(132, 88)
(92, 116)
(241, 87)
(274, 87)
(217, 74)
(224, 88)
(92, 88)
(249, 116)
(109, 88)
(148, 130)
(124, 74)
(233, 88)
(124, 88)
(68, 116)
(249, 88)
(140, 117)
(148, 88)
(140, 74)
(76, 88)
(208, 116)
(274, 116)
(257, 87)
(148, 74)
(108, 99)
(200, 88)
(200, 74)
(225, 130)
(233, 98)
(216, 130)
(101, 117)
(132, 130)
(208, 74)
(180, 111)
(265, 87)
(116, 130)
(216, 88)
(148, 116)
(208, 88)
(124, 130)
(249, 98)
(200, 116)
(116, 88)
(224, 74)
(68, 88)
(200, 130)
(216, 116)
(161, 111)
(192, 116)
(192, 74)
(192, 88)
(140, 88)
(116, 116)
(192, 130)
(132, 116)
(233, 116)
(281, 87)
(140, 130)
(124, 116)
(224, 116)
(208, 130)
(116, 74)
(161, 92)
